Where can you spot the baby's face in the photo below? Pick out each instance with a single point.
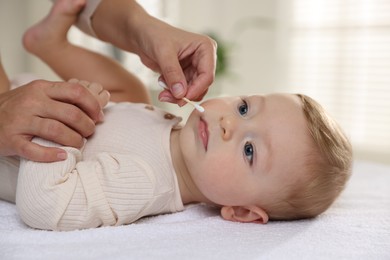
(241, 150)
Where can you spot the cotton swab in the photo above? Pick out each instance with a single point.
(196, 106)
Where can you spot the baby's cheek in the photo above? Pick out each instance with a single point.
(221, 169)
(224, 159)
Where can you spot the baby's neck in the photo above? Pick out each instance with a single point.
(188, 191)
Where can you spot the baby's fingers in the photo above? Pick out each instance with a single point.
(103, 96)
(96, 89)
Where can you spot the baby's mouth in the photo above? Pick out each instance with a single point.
(203, 132)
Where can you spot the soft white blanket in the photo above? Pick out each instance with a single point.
(356, 227)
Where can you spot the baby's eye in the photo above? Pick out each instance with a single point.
(248, 152)
(243, 108)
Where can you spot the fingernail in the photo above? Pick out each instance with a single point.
(164, 99)
(177, 89)
(62, 156)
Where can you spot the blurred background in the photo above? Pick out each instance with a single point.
(336, 51)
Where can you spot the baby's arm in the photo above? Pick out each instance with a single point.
(55, 196)
(107, 189)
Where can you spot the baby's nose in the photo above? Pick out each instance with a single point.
(228, 125)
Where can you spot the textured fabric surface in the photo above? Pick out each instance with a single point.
(357, 226)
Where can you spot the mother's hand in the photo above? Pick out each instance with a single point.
(58, 111)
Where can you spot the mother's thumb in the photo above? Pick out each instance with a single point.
(175, 79)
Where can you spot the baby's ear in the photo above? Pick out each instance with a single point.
(244, 214)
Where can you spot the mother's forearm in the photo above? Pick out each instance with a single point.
(119, 22)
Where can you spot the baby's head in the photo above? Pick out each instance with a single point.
(277, 156)
(325, 170)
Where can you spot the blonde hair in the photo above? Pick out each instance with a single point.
(326, 169)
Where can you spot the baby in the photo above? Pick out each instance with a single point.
(258, 158)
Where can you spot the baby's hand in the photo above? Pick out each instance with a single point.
(101, 95)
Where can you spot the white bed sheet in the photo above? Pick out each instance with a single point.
(356, 227)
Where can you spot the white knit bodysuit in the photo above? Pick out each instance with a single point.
(123, 172)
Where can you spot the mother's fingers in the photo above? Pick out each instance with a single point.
(199, 87)
(78, 95)
(56, 131)
(32, 151)
(67, 115)
(166, 96)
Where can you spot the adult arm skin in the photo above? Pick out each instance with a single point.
(186, 61)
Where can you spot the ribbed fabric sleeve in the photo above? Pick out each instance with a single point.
(62, 196)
